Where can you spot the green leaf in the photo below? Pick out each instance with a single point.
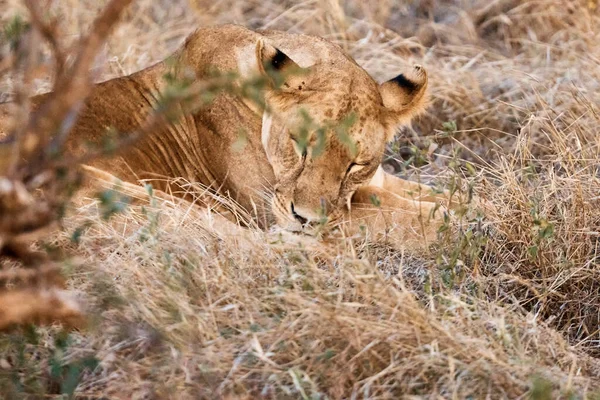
(471, 169)
(533, 251)
(112, 202)
(449, 127)
(14, 30)
(375, 200)
(342, 130)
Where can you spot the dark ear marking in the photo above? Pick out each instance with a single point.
(403, 97)
(270, 58)
(280, 70)
(406, 84)
(279, 60)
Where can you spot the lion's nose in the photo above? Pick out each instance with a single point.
(297, 216)
(309, 216)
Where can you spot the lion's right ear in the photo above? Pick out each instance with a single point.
(403, 97)
(275, 64)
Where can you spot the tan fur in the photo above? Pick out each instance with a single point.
(270, 176)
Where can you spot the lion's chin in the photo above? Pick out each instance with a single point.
(291, 225)
(295, 228)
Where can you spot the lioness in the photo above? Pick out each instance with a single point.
(280, 180)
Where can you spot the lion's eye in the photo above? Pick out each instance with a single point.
(354, 167)
(301, 149)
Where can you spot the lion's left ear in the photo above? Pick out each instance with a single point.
(276, 65)
(403, 98)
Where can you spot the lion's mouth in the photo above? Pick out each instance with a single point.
(287, 218)
(284, 217)
(290, 220)
(303, 221)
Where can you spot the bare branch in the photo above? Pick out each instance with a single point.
(33, 191)
(70, 90)
(27, 306)
(49, 33)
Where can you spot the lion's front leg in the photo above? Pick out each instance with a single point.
(412, 190)
(394, 219)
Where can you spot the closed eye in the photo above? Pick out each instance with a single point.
(301, 148)
(354, 167)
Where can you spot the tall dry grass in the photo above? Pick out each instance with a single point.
(184, 305)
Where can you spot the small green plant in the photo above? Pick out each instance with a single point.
(151, 231)
(303, 139)
(542, 232)
(449, 128)
(417, 158)
(39, 370)
(541, 389)
(342, 129)
(14, 30)
(112, 202)
(375, 200)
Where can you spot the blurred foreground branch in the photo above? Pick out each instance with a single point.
(33, 189)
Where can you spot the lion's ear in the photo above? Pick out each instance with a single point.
(275, 64)
(403, 97)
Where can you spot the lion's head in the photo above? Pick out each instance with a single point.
(325, 130)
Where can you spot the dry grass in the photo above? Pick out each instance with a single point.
(184, 305)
